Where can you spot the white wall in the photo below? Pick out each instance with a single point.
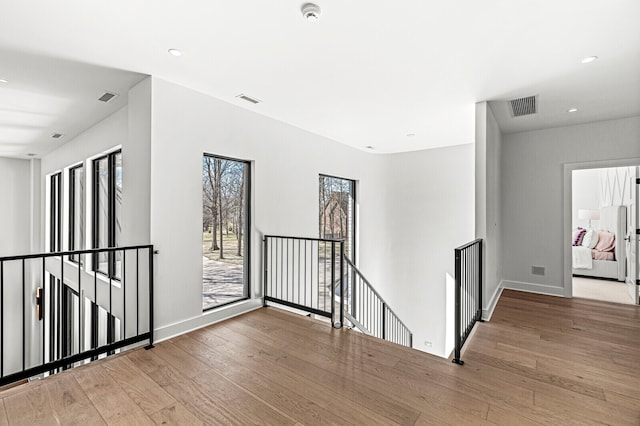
(286, 162)
(488, 153)
(533, 195)
(413, 208)
(585, 194)
(15, 239)
(429, 206)
(15, 188)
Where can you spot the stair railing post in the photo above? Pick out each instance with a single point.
(384, 321)
(333, 284)
(457, 326)
(265, 271)
(342, 286)
(352, 293)
(480, 279)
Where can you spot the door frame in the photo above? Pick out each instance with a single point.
(567, 217)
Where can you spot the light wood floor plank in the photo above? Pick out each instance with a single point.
(541, 360)
(112, 402)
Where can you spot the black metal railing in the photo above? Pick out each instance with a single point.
(369, 312)
(304, 273)
(57, 310)
(468, 298)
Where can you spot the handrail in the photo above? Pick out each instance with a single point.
(289, 237)
(468, 293)
(74, 252)
(382, 321)
(77, 306)
(469, 244)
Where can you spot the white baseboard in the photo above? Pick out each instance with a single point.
(207, 318)
(488, 311)
(533, 288)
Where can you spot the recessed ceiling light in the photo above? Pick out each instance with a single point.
(410, 135)
(175, 52)
(31, 154)
(310, 11)
(572, 110)
(57, 135)
(2, 80)
(369, 147)
(589, 59)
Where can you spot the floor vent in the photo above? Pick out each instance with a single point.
(107, 96)
(524, 106)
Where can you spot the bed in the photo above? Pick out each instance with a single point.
(614, 220)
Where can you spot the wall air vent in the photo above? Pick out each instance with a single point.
(248, 98)
(57, 135)
(107, 96)
(524, 106)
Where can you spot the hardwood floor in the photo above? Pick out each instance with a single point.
(541, 360)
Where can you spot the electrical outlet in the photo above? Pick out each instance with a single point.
(427, 343)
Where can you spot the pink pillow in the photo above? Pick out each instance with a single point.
(606, 241)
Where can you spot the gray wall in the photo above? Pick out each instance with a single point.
(533, 195)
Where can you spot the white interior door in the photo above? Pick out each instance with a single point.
(633, 239)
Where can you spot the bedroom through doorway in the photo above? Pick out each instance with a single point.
(604, 244)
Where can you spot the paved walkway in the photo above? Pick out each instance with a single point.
(221, 283)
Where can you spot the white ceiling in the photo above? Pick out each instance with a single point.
(367, 72)
(47, 95)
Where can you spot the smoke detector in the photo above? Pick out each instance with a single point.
(310, 11)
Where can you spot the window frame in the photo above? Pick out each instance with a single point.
(111, 212)
(354, 233)
(247, 229)
(72, 212)
(55, 212)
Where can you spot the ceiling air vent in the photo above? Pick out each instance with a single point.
(524, 106)
(107, 96)
(57, 135)
(248, 98)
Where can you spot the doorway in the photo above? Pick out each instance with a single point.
(603, 262)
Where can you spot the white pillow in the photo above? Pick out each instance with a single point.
(590, 238)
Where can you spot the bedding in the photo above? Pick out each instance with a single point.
(582, 257)
(596, 245)
(606, 241)
(590, 238)
(601, 253)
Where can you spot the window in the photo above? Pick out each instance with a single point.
(337, 211)
(55, 212)
(76, 211)
(225, 230)
(107, 209)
